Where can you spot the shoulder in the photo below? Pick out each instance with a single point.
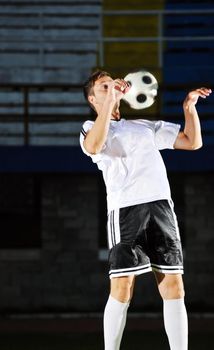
(86, 126)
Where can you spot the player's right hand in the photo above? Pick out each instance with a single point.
(116, 89)
(121, 87)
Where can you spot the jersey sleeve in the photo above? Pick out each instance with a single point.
(85, 128)
(166, 134)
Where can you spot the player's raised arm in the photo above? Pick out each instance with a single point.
(190, 138)
(96, 137)
(105, 100)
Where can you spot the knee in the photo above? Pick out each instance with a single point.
(172, 290)
(122, 288)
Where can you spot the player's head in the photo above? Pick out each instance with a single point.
(95, 89)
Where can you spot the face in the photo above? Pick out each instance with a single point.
(99, 92)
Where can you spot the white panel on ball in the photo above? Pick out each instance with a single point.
(143, 89)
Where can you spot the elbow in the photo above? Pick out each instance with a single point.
(94, 151)
(194, 143)
(200, 145)
(92, 148)
(196, 146)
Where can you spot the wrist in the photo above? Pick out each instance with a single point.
(188, 104)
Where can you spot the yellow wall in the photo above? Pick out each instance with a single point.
(120, 58)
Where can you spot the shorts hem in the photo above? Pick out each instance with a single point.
(145, 269)
(130, 271)
(168, 269)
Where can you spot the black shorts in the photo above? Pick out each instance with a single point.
(143, 238)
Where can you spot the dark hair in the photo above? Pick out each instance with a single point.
(89, 84)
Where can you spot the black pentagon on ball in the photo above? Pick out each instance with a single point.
(147, 79)
(141, 98)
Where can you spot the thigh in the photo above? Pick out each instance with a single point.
(128, 254)
(164, 239)
(126, 224)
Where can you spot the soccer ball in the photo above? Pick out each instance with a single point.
(143, 89)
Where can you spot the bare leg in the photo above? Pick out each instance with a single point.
(116, 311)
(175, 317)
(122, 288)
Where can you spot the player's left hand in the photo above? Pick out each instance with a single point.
(193, 96)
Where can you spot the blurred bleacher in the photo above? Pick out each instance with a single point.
(188, 62)
(48, 48)
(48, 41)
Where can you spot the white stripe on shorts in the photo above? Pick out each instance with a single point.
(168, 269)
(130, 271)
(110, 243)
(113, 227)
(175, 218)
(117, 226)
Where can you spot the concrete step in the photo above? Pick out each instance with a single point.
(48, 60)
(45, 7)
(52, 46)
(28, 75)
(49, 34)
(59, 133)
(47, 21)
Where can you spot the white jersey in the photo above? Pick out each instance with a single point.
(132, 166)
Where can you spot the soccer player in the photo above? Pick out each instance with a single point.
(143, 232)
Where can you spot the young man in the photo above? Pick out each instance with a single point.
(143, 232)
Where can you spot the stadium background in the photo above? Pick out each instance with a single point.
(52, 198)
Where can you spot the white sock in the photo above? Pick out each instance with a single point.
(176, 323)
(114, 323)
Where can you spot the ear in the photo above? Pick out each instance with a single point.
(92, 99)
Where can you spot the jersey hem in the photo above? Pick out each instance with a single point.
(139, 201)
